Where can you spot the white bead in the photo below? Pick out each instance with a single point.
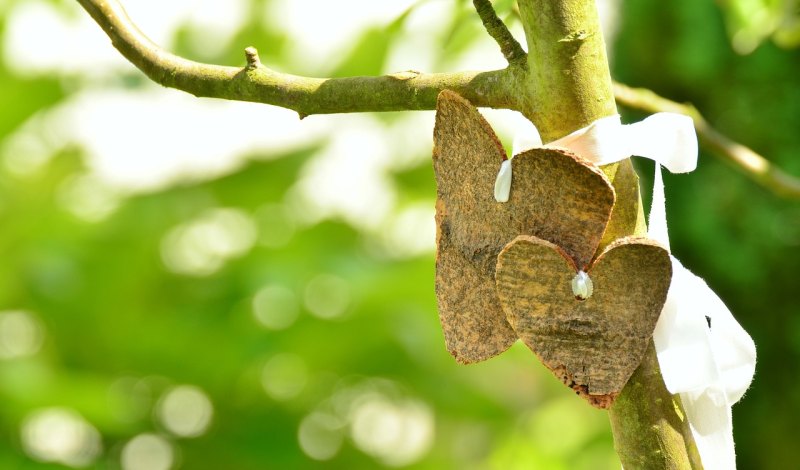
(582, 286)
(502, 185)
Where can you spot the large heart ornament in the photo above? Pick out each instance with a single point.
(592, 345)
(555, 195)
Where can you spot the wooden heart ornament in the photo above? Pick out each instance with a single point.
(592, 345)
(555, 195)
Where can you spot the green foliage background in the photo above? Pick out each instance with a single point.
(120, 329)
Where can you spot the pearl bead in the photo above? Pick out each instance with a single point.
(582, 286)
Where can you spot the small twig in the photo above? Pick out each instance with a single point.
(253, 61)
(745, 159)
(511, 49)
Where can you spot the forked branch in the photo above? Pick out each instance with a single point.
(509, 46)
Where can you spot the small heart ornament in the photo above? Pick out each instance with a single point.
(556, 196)
(593, 345)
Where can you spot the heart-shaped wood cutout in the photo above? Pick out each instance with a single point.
(555, 195)
(591, 345)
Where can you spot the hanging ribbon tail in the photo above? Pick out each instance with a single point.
(711, 421)
(734, 349)
(698, 341)
(707, 358)
(681, 336)
(657, 223)
(703, 352)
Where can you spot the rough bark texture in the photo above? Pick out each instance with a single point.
(593, 345)
(555, 196)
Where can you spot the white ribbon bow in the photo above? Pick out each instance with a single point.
(704, 354)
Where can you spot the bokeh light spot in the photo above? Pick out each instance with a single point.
(327, 296)
(130, 399)
(88, 198)
(284, 376)
(320, 435)
(275, 307)
(185, 411)
(60, 435)
(201, 247)
(276, 226)
(26, 152)
(397, 433)
(147, 452)
(20, 334)
(412, 232)
(320, 42)
(347, 180)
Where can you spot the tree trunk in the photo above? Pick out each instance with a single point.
(570, 86)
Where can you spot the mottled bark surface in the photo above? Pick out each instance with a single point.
(592, 345)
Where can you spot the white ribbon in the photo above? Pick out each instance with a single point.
(704, 354)
(667, 138)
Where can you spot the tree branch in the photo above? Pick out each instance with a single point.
(511, 49)
(257, 83)
(399, 91)
(749, 162)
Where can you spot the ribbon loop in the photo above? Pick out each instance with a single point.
(666, 138)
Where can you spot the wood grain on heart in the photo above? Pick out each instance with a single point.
(592, 345)
(555, 195)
